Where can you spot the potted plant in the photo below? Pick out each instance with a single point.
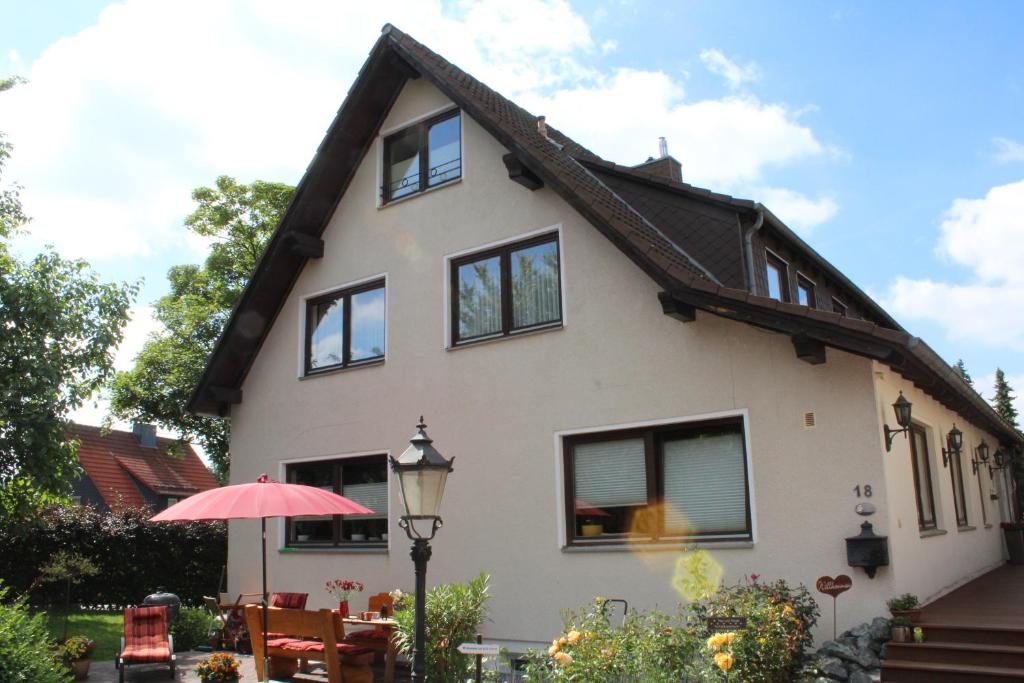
(906, 605)
(342, 589)
(902, 630)
(1013, 532)
(221, 667)
(75, 651)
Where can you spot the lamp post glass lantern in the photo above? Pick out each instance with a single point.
(422, 474)
(901, 407)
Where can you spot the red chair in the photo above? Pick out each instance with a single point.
(146, 640)
(289, 600)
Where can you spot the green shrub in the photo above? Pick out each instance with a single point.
(190, 628)
(649, 646)
(25, 654)
(454, 613)
(901, 603)
(133, 555)
(773, 647)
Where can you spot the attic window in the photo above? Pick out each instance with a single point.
(805, 291)
(422, 156)
(778, 277)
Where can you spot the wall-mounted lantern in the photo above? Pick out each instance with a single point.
(980, 459)
(867, 550)
(954, 443)
(902, 409)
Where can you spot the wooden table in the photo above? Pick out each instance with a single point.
(389, 654)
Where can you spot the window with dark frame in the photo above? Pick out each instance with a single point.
(956, 475)
(658, 485)
(363, 480)
(838, 307)
(981, 497)
(805, 291)
(778, 277)
(424, 155)
(345, 328)
(921, 463)
(506, 290)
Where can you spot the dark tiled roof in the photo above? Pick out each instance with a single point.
(112, 459)
(692, 257)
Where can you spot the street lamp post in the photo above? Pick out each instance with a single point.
(422, 473)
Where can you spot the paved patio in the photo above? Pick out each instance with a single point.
(104, 672)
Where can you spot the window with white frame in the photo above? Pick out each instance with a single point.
(666, 483)
(363, 480)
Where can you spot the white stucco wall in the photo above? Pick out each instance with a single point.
(497, 408)
(932, 564)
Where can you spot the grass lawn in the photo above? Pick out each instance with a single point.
(103, 627)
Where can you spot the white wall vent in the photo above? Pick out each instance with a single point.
(809, 420)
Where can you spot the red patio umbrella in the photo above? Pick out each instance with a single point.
(262, 499)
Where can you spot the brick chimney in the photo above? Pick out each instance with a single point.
(665, 165)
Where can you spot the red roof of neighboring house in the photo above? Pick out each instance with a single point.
(111, 459)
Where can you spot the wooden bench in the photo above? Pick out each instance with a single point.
(313, 636)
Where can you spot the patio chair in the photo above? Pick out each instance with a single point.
(146, 640)
(289, 600)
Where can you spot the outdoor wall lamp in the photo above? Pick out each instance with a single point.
(902, 409)
(1002, 461)
(422, 473)
(982, 452)
(954, 442)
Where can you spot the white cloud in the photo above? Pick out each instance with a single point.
(796, 210)
(1008, 150)
(609, 46)
(985, 236)
(734, 74)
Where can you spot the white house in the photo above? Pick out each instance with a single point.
(623, 365)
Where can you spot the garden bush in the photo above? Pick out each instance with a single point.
(649, 646)
(25, 653)
(190, 628)
(134, 556)
(454, 614)
(652, 647)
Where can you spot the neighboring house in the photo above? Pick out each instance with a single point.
(135, 469)
(623, 365)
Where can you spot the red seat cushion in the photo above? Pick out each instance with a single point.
(317, 646)
(278, 640)
(289, 600)
(145, 635)
(370, 634)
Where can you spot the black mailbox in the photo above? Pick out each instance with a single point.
(867, 550)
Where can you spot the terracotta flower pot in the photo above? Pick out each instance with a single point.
(913, 614)
(80, 667)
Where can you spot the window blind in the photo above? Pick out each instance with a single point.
(610, 473)
(705, 487)
(373, 496)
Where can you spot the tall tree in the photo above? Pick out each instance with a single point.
(1003, 399)
(961, 369)
(238, 219)
(59, 327)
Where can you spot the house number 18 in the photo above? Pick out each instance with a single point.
(866, 490)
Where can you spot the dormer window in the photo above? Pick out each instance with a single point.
(777, 276)
(423, 156)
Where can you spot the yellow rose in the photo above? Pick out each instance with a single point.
(727, 638)
(573, 637)
(553, 649)
(787, 610)
(723, 661)
(716, 641)
(562, 641)
(563, 658)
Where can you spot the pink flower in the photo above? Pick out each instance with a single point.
(755, 577)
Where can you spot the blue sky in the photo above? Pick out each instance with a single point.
(891, 136)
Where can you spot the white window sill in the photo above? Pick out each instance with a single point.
(359, 365)
(505, 337)
(349, 550)
(656, 547)
(383, 205)
(933, 532)
(966, 527)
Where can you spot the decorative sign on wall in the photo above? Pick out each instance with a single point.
(834, 587)
(722, 624)
(864, 509)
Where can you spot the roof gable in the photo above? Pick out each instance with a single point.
(657, 242)
(114, 461)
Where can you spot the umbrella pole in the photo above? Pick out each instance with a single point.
(266, 602)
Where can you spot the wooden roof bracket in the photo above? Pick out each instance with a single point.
(519, 173)
(809, 350)
(674, 308)
(304, 245)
